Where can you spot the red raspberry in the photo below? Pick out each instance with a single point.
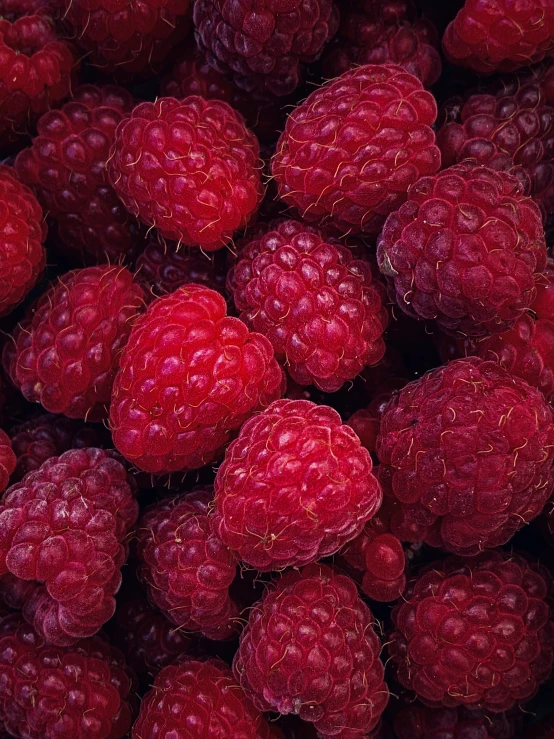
(350, 152)
(7, 460)
(467, 451)
(465, 250)
(66, 167)
(190, 375)
(366, 421)
(476, 632)
(81, 692)
(188, 168)
(416, 721)
(500, 36)
(310, 649)
(64, 526)
(22, 233)
(66, 352)
(265, 47)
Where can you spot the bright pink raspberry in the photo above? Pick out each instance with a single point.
(189, 376)
(7, 460)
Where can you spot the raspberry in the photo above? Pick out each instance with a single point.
(66, 167)
(474, 632)
(188, 168)
(465, 250)
(65, 354)
(265, 47)
(81, 692)
(189, 376)
(351, 151)
(320, 307)
(310, 649)
(366, 421)
(500, 36)
(420, 722)
(64, 526)
(7, 460)
(467, 451)
(22, 233)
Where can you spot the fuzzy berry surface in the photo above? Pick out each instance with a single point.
(65, 353)
(350, 152)
(188, 376)
(475, 632)
(465, 249)
(7, 460)
(189, 168)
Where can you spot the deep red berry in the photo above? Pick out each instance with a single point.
(7, 460)
(366, 421)
(417, 721)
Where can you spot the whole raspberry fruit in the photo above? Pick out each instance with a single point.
(189, 376)
(500, 36)
(294, 486)
(7, 460)
(188, 168)
(351, 151)
(465, 249)
(66, 167)
(266, 47)
(65, 354)
(65, 526)
(475, 632)
(417, 721)
(22, 233)
(467, 451)
(309, 648)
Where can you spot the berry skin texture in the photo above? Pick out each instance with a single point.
(475, 632)
(64, 526)
(351, 151)
(320, 307)
(22, 234)
(294, 486)
(189, 376)
(417, 721)
(7, 460)
(189, 168)
(465, 249)
(65, 354)
(467, 452)
(310, 649)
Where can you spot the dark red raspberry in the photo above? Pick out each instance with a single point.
(416, 721)
(465, 250)
(190, 375)
(189, 168)
(366, 421)
(66, 167)
(264, 47)
(476, 632)
(80, 692)
(310, 649)
(22, 233)
(65, 526)
(351, 151)
(7, 460)
(467, 451)
(66, 352)
(500, 36)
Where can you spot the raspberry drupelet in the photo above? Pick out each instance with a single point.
(351, 151)
(7, 460)
(66, 352)
(189, 376)
(475, 632)
(366, 421)
(189, 168)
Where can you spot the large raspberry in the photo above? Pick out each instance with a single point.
(294, 486)
(476, 632)
(418, 721)
(465, 250)
(189, 168)
(7, 460)
(66, 352)
(65, 526)
(310, 649)
(189, 376)
(351, 151)
(66, 167)
(467, 451)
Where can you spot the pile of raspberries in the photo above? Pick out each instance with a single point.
(276, 369)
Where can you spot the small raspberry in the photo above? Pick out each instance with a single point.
(189, 376)
(476, 632)
(188, 168)
(465, 250)
(65, 354)
(351, 151)
(416, 721)
(310, 649)
(7, 460)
